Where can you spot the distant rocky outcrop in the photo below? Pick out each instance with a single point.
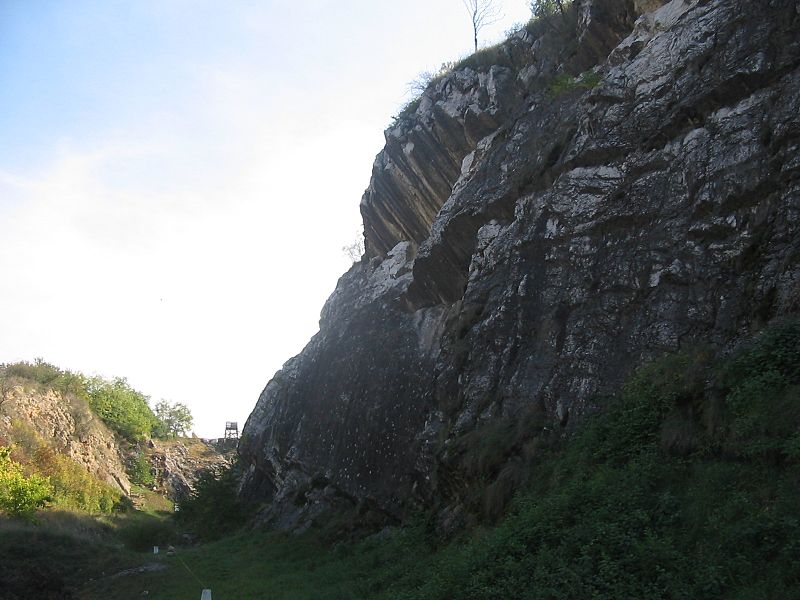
(177, 463)
(543, 221)
(66, 425)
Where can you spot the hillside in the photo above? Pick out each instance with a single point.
(78, 468)
(37, 419)
(685, 487)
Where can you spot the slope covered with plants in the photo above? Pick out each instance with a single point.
(686, 487)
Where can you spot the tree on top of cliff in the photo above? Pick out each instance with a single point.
(121, 407)
(174, 419)
(482, 13)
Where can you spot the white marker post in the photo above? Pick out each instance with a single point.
(155, 549)
(206, 595)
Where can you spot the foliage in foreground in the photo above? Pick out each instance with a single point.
(685, 488)
(21, 495)
(51, 560)
(69, 485)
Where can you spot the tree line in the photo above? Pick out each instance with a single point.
(122, 408)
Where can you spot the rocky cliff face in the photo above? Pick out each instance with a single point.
(178, 463)
(532, 237)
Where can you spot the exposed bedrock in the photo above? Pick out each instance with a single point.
(528, 245)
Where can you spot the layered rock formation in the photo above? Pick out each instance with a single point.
(534, 231)
(178, 463)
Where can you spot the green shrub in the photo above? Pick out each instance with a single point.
(121, 407)
(74, 487)
(71, 486)
(564, 83)
(633, 421)
(20, 495)
(139, 470)
(214, 508)
(761, 383)
(615, 514)
(38, 371)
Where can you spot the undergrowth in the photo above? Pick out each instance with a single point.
(68, 484)
(685, 487)
(122, 408)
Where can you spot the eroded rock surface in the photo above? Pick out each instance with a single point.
(67, 426)
(178, 463)
(526, 249)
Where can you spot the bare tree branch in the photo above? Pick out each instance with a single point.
(482, 13)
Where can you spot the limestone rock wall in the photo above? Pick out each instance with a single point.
(528, 247)
(68, 427)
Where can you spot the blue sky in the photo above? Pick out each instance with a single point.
(177, 178)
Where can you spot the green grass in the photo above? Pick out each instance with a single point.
(686, 487)
(271, 566)
(52, 559)
(565, 83)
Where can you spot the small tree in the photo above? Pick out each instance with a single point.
(175, 418)
(21, 495)
(214, 508)
(482, 13)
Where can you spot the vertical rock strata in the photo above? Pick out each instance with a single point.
(530, 240)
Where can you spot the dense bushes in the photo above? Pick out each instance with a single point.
(214, 508)
(121, 407)
(73, 487)
(70, 485)
(762, 388)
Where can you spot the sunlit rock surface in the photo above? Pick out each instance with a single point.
(67, 427)
(528, 246)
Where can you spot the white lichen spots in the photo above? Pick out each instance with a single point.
(655, 278)
(551, 228)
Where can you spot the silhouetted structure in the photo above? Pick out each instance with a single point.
(231, 430)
